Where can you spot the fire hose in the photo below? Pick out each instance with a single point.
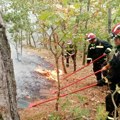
(81, 89)
(61, 96)
(78, 81)
(70, 74)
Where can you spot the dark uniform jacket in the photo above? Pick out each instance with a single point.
(114, 75)
(97, 49)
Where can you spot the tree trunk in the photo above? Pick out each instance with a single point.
(33, 40)
(58, 79)
(86, 26)
(17, 52)
(109, 22)
(21, 41)
(29, 39)
(63, 63)
(84, 53)
(8, 104)
(109, 27)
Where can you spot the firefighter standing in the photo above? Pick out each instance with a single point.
(114, 76)
(97, 48)
(70, 51)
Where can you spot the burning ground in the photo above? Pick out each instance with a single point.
(30, 84)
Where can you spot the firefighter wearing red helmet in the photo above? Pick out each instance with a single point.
(114, 76)
(97, 48)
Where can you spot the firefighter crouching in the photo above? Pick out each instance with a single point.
(114, 76)
(70, 51)
(97, 48)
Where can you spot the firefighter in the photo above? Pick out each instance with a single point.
(70, 51)
(97, 48)
(114, 76)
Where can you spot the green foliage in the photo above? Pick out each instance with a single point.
(66, 105)
(79, 113)
(54, 116)
(101, 114)
(81, 98)
(68, 16)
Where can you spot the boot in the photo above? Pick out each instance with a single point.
(101, 82)
(111, 116)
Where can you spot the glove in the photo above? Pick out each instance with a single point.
(107, 51)
(118, 89)
(88, 61)
(105, 79)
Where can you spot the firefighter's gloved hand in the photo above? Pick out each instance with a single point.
(88, 61)
(118, 88)
(105, 79)
(107, 51)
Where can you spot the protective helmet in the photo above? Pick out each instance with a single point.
(116, 31)
(90, 36)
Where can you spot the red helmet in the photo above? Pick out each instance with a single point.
(90, 36)
(116, 31)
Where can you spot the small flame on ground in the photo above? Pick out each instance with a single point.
(49, 74)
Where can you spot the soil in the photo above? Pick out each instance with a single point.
(94, 97)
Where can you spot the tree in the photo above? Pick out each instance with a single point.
(8, 104)
(86, 27)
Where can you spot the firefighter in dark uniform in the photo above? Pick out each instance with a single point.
(114, 76)
(70, 51)
(97, 48)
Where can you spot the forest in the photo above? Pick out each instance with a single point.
(41, 76)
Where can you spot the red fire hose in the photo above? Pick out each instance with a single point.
(70, 74)
(61, 96)
(78, 81)
(81, 89)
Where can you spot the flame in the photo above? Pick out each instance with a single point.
(49, 74)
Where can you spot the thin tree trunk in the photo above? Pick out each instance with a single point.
(109, 27)
(58, 79)
(8, 104)
(84, 53)
(57, 56)
(109, 21)
(21, 43)
(86, 26)
(33, 40)
(63, 63)
(29, 39)
(16, 47)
